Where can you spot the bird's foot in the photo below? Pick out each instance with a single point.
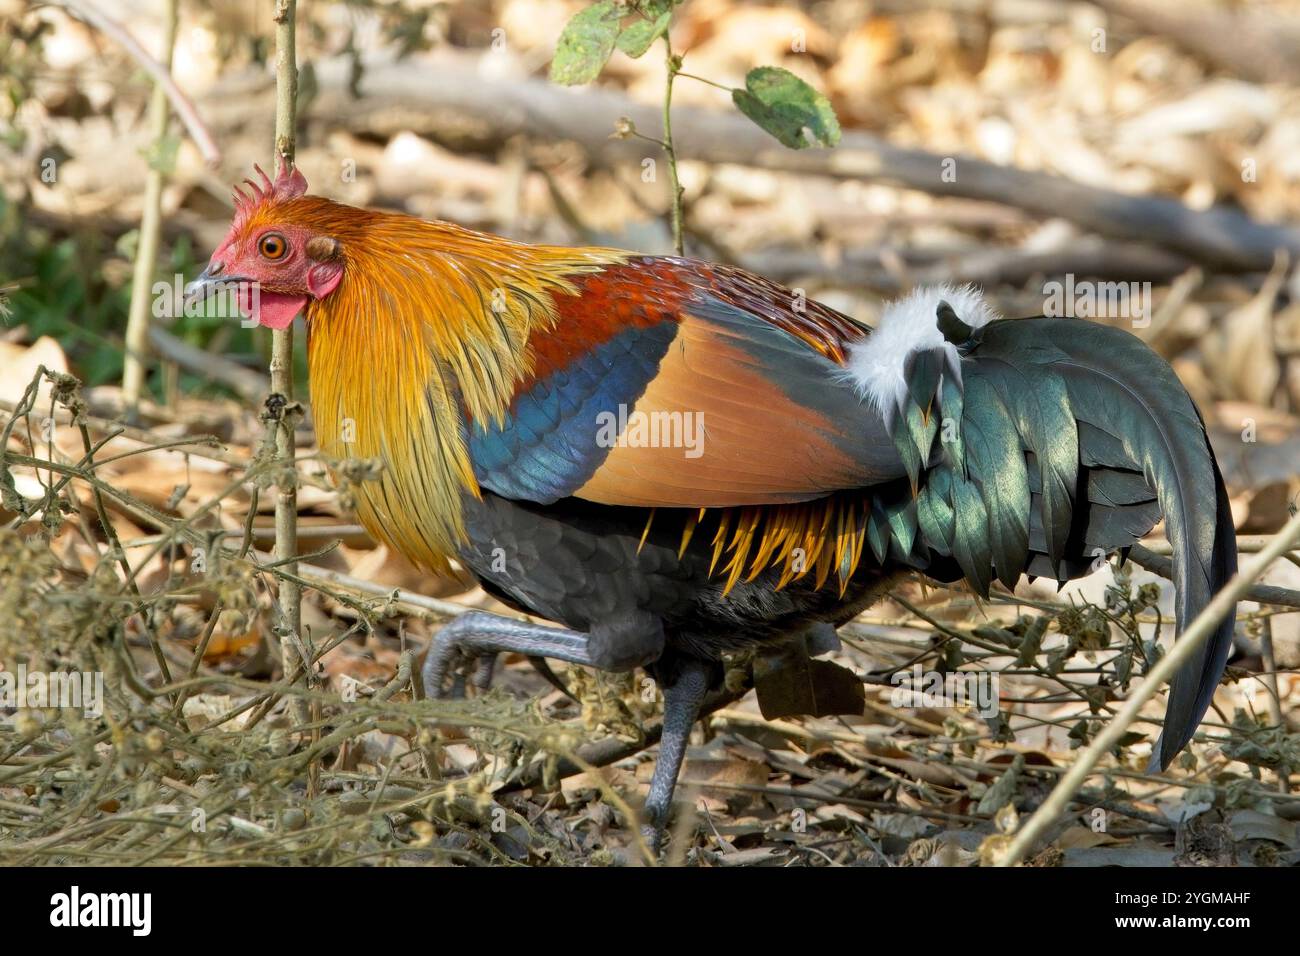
(450, 664)
(466, 648)
(455, 670)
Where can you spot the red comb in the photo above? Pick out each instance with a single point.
(289, 183)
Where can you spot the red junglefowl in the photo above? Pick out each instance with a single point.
(674, 459)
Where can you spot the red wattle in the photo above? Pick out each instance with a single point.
(275, 310)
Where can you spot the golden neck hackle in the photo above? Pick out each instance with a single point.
(427, 326)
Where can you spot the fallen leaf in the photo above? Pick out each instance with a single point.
(790, 683)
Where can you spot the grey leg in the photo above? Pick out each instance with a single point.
(479, 635)
(682, 700)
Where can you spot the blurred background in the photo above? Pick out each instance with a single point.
(1011, 143)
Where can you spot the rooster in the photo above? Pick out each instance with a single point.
(674, 460)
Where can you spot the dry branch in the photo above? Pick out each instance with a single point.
(1195, 634)
(452, 97)
(246, 382)
(1263, 593)
(203, 139)
(1259, 46)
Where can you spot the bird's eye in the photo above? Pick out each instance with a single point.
(272, 246)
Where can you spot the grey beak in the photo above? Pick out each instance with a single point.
(200, 288)
(210, 281)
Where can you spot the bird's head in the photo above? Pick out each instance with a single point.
(280, 251)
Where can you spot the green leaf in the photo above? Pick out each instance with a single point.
(586, 44)
(650, 24)
(786, 106)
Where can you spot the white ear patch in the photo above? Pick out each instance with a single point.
(875, 364)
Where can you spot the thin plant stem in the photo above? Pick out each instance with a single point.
(286, 502)
(146, 253)
(673, 64)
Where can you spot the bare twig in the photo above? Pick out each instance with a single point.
(1263, 593)
(86, 12)
(246, 382)
(418, 603)
(204, 446)
(1186, 645)
(1269, 679)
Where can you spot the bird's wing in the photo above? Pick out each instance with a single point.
(668, 382)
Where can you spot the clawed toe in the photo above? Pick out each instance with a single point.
(482, 679)
(449, 667)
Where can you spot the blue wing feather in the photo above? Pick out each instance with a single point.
(546, 447)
